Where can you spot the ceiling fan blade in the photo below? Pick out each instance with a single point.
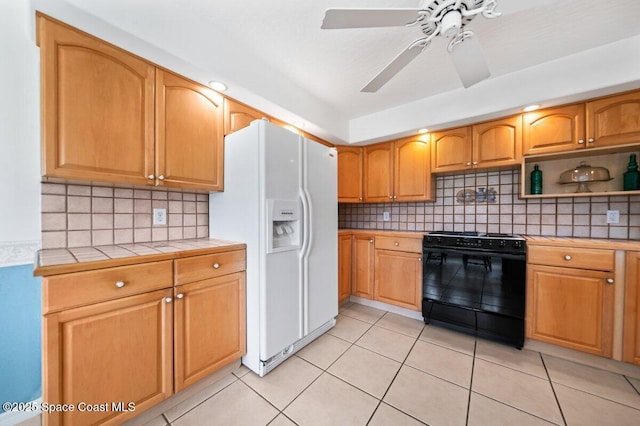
(366, 18)
(469, 61)
(394, 67)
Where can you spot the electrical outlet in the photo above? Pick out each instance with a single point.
(386, 216)
(159, 216)
(613, 216)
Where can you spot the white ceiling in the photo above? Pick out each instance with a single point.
(273, 55)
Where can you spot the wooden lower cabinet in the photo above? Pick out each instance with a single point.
(631, 334)
(398, 278)
(571, 308)
(209, 327)
(143, 333)
(345, 247)
(363, 266)
(106, 353)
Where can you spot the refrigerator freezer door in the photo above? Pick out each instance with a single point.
(281, 290)
(321, 263)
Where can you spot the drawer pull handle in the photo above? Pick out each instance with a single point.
(610, 280)
(396, 244)
(179, 296)
(567, 257)
(216, 266)
(168, 299)
(119, 284)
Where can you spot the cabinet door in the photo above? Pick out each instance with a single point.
(553, 130)
(451, 150)
(412, 169)
(209, 327)
(116, 351)
(378, 172)
(350, 174)
(398, 278)
(238, 116)
(189, 134)
(497, 143)
(614, 120)
(631, 339)
(344, 267)
(571, 308)
(97, 108)
(363, 264)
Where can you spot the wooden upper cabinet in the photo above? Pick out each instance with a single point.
(497, 143)
(553, 129)
(97, 108)
(613, 120)
(189, 134)
(412, 169)
(451, 149)
(238, 116)
(378, 172)
(350, 161)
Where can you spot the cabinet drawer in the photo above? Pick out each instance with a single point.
(572, 257)
(84, 288)
(198, 268)
(412, 245)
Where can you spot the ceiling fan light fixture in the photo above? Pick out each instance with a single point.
(451, 23)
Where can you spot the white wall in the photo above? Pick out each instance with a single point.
(19, 134)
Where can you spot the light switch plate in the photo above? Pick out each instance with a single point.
(613, 216)
(159, 216)
(386, 216)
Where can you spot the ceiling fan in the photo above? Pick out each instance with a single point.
(434, 18)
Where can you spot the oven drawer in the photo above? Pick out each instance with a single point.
(572, 257)
(407, 244)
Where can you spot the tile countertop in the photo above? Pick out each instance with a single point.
(66, 260)
(531, 239)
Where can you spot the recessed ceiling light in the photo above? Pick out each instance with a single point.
(423, 131)
(218, 86)
(531, 108)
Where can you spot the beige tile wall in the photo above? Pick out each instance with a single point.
(570, 217)
(84, 215)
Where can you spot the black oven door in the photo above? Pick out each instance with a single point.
(477, 292)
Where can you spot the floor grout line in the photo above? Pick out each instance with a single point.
(553, 389)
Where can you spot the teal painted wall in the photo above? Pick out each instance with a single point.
(20, 334)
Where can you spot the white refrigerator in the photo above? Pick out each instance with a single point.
(280, 198)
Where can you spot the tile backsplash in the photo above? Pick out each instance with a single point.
(85, 215)
(507, 213)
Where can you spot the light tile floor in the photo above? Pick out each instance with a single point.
(379, 368)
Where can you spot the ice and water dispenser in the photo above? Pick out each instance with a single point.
(283, 225)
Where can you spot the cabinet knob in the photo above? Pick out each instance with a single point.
(179, 296)
(396, 244)
(395, 196)
(360, 198)
(150, 177)
(567, 257)
(168, 299)
(119, 284)
(581, 141)
(216, 266)
(591, 140)
(610, 280)
(161, 177)
(391, 196)
(475, 163)
(371, 241)
(419, 259)
(468, 163)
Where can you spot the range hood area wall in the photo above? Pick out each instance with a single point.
(559, 217)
